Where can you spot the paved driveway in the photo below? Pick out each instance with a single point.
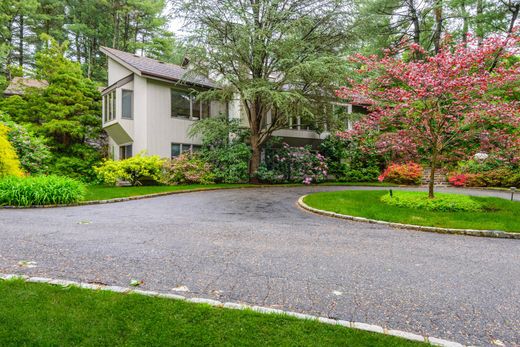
(256, 246)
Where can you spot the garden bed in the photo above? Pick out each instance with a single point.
(496, 213)
(41, 314)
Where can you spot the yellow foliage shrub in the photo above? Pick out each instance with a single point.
(9, 163)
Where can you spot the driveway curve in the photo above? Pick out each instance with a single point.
(256, 246)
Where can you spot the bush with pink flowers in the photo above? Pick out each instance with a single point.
(409, 173)
(293, 165)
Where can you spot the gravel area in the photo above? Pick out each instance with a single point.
(256, 246)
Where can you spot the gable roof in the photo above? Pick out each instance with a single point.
(18, 85)
(148, 67)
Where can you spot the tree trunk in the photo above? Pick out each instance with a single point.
(431, 184)
(20, 43)
(438, 26)
(480, 29)
(256, 158)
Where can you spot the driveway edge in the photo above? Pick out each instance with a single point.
(469, 232)
(238, 306)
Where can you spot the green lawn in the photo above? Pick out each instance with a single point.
(43, 315)
(499, 214)
(99, 192)
(111, 192)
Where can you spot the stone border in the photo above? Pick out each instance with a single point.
(469, 232)
(238, 306)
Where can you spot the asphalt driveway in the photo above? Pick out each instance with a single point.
(256, 246)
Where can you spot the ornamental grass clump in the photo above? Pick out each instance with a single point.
(441, 202)
(40, 190)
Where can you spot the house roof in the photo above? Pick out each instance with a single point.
(18, 84)
(148, 67)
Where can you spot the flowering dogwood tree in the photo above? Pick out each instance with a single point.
(440, 107)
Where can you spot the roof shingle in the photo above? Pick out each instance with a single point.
(154, 68)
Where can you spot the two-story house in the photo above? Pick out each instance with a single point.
(150, 105)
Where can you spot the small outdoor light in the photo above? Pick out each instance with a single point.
(391, 193)
(513, 190)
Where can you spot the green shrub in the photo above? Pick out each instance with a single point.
(368, 174)
(32, 150)
(441, 202)
(40, 190)
(9, 163)
(230, 163)
(134, 170)
(186, 169)
(333, 148)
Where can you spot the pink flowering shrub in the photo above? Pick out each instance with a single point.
(187, 169)
(409, 173)
(293, 164)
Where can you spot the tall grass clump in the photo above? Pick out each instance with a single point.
(40, 190)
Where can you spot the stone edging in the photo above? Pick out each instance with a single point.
(238, 306)
(470, 232)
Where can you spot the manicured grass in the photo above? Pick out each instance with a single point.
(43, 315)
(111, 192)
(497, 214)
(361, 184)
(99, 192)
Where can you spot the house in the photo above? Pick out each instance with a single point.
(18, 85)
(150, 105)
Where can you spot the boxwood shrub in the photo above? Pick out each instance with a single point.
(40, 190)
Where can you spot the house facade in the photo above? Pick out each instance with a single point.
(150, 106)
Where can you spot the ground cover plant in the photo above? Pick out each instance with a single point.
(40, 190)
(496, 213)
(441, 202)
(40, 314)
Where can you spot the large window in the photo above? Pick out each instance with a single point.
(184, 105)
(179, 148)
(109, 109)
(125, 152)
(127, 105)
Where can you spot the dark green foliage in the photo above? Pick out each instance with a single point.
(67, 113)
(32, 150)
(363, 164)
(223, 148)
(496, 214)
(334, 149)
(40, 190)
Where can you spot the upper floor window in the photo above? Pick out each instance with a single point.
(109, 109)
(184, 105)
(127, 105)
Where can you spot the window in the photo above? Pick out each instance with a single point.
(183, 105)
(125, 152)
(180, 148)
(109, 106)
(127, 107)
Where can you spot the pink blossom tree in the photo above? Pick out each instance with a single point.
(442, 107)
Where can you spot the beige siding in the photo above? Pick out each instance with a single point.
(116, 71)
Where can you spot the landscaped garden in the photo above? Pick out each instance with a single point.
(445, 210)
(41, 314)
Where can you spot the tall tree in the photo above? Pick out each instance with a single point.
(281, 58)
(442, 107)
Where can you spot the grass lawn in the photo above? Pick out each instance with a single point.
(499, 214)
(100, 192)
(43, 315)
(111, 192)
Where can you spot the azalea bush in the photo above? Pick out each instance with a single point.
(40, 190)
(409, 173)
(187, 169)
(500, 177)
(293, 164)
(134, 170)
